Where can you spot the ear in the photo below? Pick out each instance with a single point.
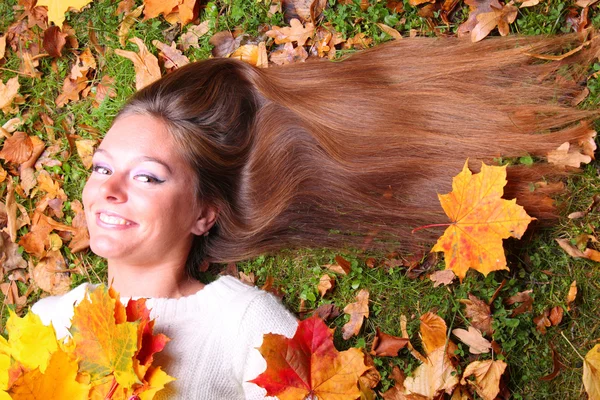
(205, 221)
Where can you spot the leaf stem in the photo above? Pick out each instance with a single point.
(428, 226)
(571, 344)
(112, 390)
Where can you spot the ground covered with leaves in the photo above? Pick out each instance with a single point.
(62, 82)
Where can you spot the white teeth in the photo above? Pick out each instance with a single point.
(112, 220)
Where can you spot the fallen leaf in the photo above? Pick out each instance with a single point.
(444, 277)
(480, 220)
(144, 62)
(296, 32)
(84, 63)
(474, 339)
(58, 8)
(433, 332)
(360, 41)
(10, 258)
(309, 364)
(521, 297)
(479, 314)
(556, 366)
(487, 377)
(54, 41)
(592, 254)
(28, 179)
(572, 294)
(249, 279)
(556, 315)
(50, 274)
(224, 44)
(71, 90)
(326, 311)
(106, 88)
(129, 19)
(563, 157)
(385, 345)
(2, 46)
(252, 54)
(435, 375)
(173, 57)
(325, 284)
(36, 241)
(542, 322)
(154, 8)
(11, 211)
(358, 311)
(571, 250)
(17, 149)
(390, 31)
(85, 150)
(103, 346)
(498, 17)
(288, 54)
(591, 373)
(190, 38)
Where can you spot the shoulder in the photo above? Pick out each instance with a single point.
(58, 310)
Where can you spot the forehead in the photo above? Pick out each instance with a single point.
(139, 133)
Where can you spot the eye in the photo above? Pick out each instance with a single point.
(147, 179)
(100, 170)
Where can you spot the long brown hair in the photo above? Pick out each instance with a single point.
(354, 152)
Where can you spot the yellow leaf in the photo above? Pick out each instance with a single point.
(85, 150)
(480, 220)
(157, 379)
(8, 92)
(58, 8)
(103, 346)
(433, 332)
(591, 373)
(144, 62)
(487, 377)
(59, 381)
(4, 367)
(32, 343)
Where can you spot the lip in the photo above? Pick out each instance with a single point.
(104, 217)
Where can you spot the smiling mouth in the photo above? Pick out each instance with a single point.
(113, 220)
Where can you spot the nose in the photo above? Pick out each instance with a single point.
(114, 188)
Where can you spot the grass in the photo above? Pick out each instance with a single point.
(536, 262)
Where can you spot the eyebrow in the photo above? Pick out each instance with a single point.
(142, 159)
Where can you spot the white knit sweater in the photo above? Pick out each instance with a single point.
(214, 335)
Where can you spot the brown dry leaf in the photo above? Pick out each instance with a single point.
(10, 258)
(556, 314)
(501, 18)
(325, 284)
(11, 295)
(474, 339)
(154, 8)
(592, 254)
(542, 322)
(562, 157)
(521, 297)
(435, 375)
(327, 311)
(571, 250)
(360, 41)
(3, 174)
(444, 277)
(84, 62)
(174, 11)
(54, 41)
(415, 353)
(124, 6)
(8, 92)
(296, 32)
(249, 279)
(106, 88)
(556, 366)
(85, 150)
(144, 62)
(578, 18)
(385, 345)
(2, 46)
(71, 90)
(17, 149)
(29, 65)
(390, 31)
(288, 54)
(358, 311)
(479, 314)
(224, 44)
(487, 377)
(572, 294)
(81, 237)
(173, 57)
(50, 276)
(190, 38)
(28, 179)
(11, 211)
(129, 19)
(37, 240)
(303, 10)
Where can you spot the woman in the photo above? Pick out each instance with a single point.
(221, 161)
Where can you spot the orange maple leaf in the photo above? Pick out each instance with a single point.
(480, 220)
(309, 365)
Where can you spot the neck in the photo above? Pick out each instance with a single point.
(163, 280)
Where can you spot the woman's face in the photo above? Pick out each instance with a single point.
(139, 200)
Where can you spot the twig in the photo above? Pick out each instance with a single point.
(571, 344)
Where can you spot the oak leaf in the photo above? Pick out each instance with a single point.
(144, 62)
(296, 32)
(566, 157)
(591, 373)
(103, 346)
(480, 220)
(58, 8)
(309, 365)
(487, 377)
(358, 311)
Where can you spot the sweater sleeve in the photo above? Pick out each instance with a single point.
(265, 314)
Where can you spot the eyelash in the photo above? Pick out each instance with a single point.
(148, 178)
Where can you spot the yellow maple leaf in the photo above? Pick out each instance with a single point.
(58, 8)
(31, 342)
(591, 373)
(480, 220)
(103, 346)
(59, 381)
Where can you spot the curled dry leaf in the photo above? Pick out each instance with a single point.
(434, 376)
(144, 62)
(487, 377)
(190, 38)
(51, 275)
(54, 41)
(565, 157)
(173, 57)
(8, 92)
(385, 345)
(71, 90)
(358, 311)
(26, 172)
(433, 332)
(10, 258)
(556, 366)
(542, 322)
(481, 219)
(591, 373)
(288, 54)
(223, 44)
(521, 297)
(129, 19)
(17, 149)
(325, 284)
(498, 17)
(444, 277)
(479, 314)
(390, 31)
(572, 294)
(85, 150)
(81, 237)
(474, 339)
(57, 9)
